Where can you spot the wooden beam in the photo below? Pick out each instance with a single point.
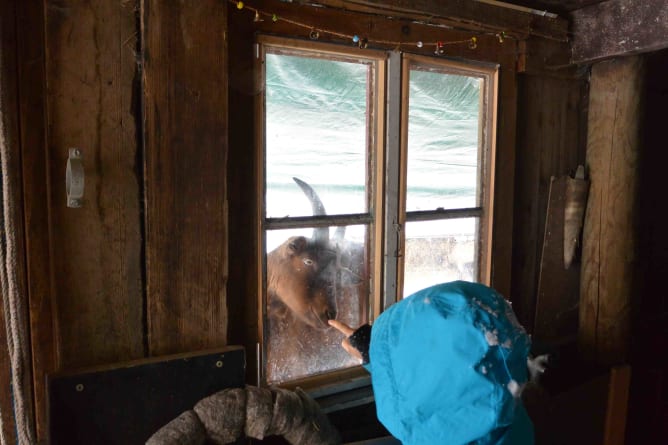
(185, 82)
(610, 237)
(619, 28)
(32, 114)
(463, 14)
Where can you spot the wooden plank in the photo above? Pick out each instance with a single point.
(504, 188)
(126, 403)
(619, 28)
(617, 406)
(542, 57)
(551, 142)
(185, 81)
(96, 248)
(609, 235)
(594, 412)
(463, 14)
(243, 200)
(558, 293)
(381, 32)
(32, 114)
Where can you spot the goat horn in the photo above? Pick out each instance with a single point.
(319, 234)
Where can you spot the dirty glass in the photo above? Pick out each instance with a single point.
(440, 251)
(317, 127)
(312, 276)
(443, 174)
(315, 130)
(443, 140)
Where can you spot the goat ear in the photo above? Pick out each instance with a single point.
(297, 244)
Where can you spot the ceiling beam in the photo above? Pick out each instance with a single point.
(464, 14)
(619, 28)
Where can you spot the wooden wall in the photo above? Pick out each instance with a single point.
(141, 268)
(551, 142)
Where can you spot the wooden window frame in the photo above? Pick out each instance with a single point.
(388, 214)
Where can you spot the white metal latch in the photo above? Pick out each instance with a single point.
(74, 179)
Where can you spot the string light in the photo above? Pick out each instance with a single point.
(361, 42)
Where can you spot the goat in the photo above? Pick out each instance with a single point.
(310, 281)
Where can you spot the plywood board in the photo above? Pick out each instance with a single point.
(127, 403)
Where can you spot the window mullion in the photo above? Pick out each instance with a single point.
(392, 173)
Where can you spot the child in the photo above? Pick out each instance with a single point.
(448, 365)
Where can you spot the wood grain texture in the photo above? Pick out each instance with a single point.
(32, 115)
(243, 320)
(381, 31)
(558, 293)
(551, 142)
(463, 14)
(609, 234)
(96, 248)
(619, 28)
(185, 82)
(504, 188)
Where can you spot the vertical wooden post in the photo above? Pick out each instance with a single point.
(185, 113)
(610, 237)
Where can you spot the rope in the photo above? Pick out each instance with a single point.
(13, 300)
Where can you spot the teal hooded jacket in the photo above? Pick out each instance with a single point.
(448, 365)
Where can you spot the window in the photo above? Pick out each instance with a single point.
(377, 173)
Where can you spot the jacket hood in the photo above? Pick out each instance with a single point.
(448, 364)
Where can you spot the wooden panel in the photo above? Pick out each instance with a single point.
(128, 402)
(463, 14)
(551, 142)
(558, 295)
(96, 248)
(594, 412)
(619, 27)
(243, 198)
(381, 32)
(32, 94)
(186, 147)
(504, 188)
(609, 236)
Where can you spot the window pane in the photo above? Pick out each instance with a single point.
(316, 130)
(308, 282)
(440, 251)
(443, 145)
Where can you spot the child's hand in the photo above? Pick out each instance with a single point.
(347, 331)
